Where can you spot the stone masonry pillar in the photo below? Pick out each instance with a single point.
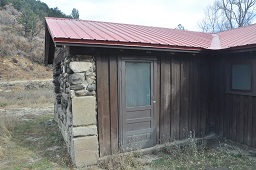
(76, 107)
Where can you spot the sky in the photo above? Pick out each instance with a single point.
(159, 13)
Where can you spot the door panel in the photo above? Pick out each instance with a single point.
(137, 98)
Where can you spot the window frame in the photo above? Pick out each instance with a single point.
(241, 61)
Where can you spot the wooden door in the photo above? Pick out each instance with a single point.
(137, 121)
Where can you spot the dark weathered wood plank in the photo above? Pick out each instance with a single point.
(240, 120)
(221, 98)
(184, 98)
(217, 95)
(246, 113)
(100, 103)
(204, 96)
(175, 91)
(165, 100)
(227, 115)
(113, 98)
(158, 100)
(254, 124)
(245, 120)
(231, 116)
(214, 96)
(235, 117)
(198, 98)
(249, 120)
(193, 96)
(226, 99)
(103, 105)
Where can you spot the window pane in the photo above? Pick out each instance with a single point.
(137, 84)
(241, 76)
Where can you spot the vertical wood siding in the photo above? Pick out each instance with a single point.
(233, 114)
(238, 119)
(165, 99)
(107, 96)
(182, 90)
(189, 96)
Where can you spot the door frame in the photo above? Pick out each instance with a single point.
(121, 103)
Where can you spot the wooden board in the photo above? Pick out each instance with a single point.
(103, 105)
(184, 98)
(113, 97)
(249, 120)
(194, 96)
(175, 92)
(204, 97)
(165, 100)
(254, 124)
(240, 127)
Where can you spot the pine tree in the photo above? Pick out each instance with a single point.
(75, 13)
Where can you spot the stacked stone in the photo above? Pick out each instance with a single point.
(75, 108)
(56, 74)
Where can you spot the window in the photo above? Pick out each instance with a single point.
(138, 83)
(241, 78)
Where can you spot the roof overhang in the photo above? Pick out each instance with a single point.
(55, 42)
(120, 44)
(244, 48)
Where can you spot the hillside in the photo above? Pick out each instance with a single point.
(21, 68)
(22, 39)
(16, 51)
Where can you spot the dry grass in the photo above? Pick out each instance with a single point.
(34, 143)
(29, 98)
(190, 155)
(121, 162)
(196, 155)
(20, 68)
(7, 124)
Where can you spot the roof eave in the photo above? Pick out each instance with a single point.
(244, 48)
(119, 44)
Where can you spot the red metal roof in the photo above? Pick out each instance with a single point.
(106, 33)
(238, 37)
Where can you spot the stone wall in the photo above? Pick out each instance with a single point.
(75, 106)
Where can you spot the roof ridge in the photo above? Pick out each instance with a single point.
(215, 44)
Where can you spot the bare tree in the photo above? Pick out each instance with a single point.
(228, 14)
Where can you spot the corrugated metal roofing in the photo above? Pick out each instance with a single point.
(238, 37)
(106, 33)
